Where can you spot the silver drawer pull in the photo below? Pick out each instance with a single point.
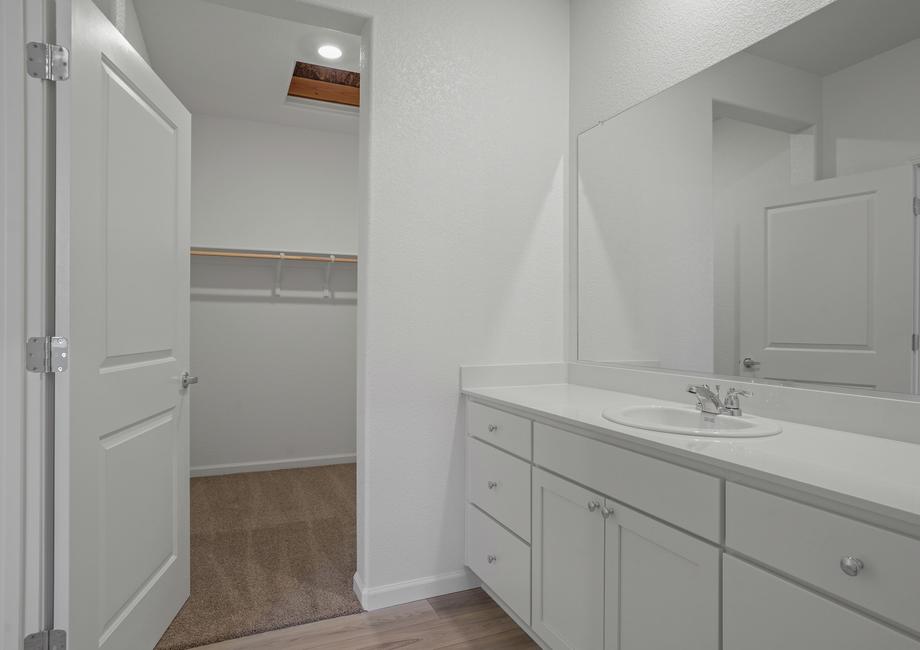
(851, 565)
(492, 485)
(593, 505)
(493, 428)
(491, 559)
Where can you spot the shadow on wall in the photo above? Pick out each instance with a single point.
(232, 280)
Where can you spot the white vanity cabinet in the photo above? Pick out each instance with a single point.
(661, 585)
(593, 546)
(600, 574)
(762, 611)
(606, 576)
(568, 564)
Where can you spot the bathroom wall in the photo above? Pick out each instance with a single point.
(277, 371)
(465, 143)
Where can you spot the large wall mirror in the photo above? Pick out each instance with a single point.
(757, 220)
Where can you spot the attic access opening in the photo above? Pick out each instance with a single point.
(324, 84)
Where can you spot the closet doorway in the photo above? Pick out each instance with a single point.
(273, 269)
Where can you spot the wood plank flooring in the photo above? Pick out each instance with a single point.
(468, 619)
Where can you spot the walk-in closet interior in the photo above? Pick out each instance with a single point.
(274, 202)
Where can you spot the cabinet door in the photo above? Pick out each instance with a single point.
(765, 612)
(568, 564)
(662, 586)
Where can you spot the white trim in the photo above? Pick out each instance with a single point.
(409, 591)
(13, 614)
(269, 465)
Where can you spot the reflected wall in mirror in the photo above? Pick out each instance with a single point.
(757, 219)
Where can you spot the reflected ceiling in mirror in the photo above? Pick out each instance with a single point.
(756, 220)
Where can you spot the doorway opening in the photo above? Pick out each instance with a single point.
(274, 99)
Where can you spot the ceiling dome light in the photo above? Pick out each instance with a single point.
(330, 52)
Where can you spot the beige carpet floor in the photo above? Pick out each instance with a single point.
(269, 550)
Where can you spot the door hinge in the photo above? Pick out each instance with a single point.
(917, 206)
(915, 343)
(47, 354)
(47, 61)
(47, 640)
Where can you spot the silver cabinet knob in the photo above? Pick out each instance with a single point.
(851, 565)
(593, 505)
(492, 485)
(606, 512)
(493, 428)
(188, 380)
(491, 559)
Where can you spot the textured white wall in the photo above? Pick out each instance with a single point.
(624, 51)
(466, 142)
(277, 373)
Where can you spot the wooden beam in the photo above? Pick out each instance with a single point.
(324, 91)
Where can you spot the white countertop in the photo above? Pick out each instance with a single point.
(877, 474)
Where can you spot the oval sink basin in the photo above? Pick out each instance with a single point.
(691, 422)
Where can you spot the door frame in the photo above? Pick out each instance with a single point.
(916, 353)
(26, 293)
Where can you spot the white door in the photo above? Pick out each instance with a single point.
(662, 586)
(123, 157)
(765, 612)
(827, 282)
(568, 564)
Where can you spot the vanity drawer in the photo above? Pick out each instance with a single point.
(501, 429)
(680, 496)
(501, 560)
(500, 485)
(810, 544)
(764, 612)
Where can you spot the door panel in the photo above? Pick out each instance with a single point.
(827, 288)
(568, 564)
(123, 183)
(141, 220)
(662, 586)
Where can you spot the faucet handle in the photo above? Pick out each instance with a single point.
(733, 399)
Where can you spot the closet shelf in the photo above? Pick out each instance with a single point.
(286, 256)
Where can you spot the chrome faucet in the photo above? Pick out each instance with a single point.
(707, 400)
(733, 400)
(710, 401)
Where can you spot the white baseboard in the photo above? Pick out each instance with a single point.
(268, 465)
(399, 593)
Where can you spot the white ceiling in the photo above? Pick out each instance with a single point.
(230, 62)
(843, 34)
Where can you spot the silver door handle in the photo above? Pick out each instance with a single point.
(750, 363)
(188, 380)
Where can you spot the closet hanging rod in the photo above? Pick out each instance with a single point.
(288, 257)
